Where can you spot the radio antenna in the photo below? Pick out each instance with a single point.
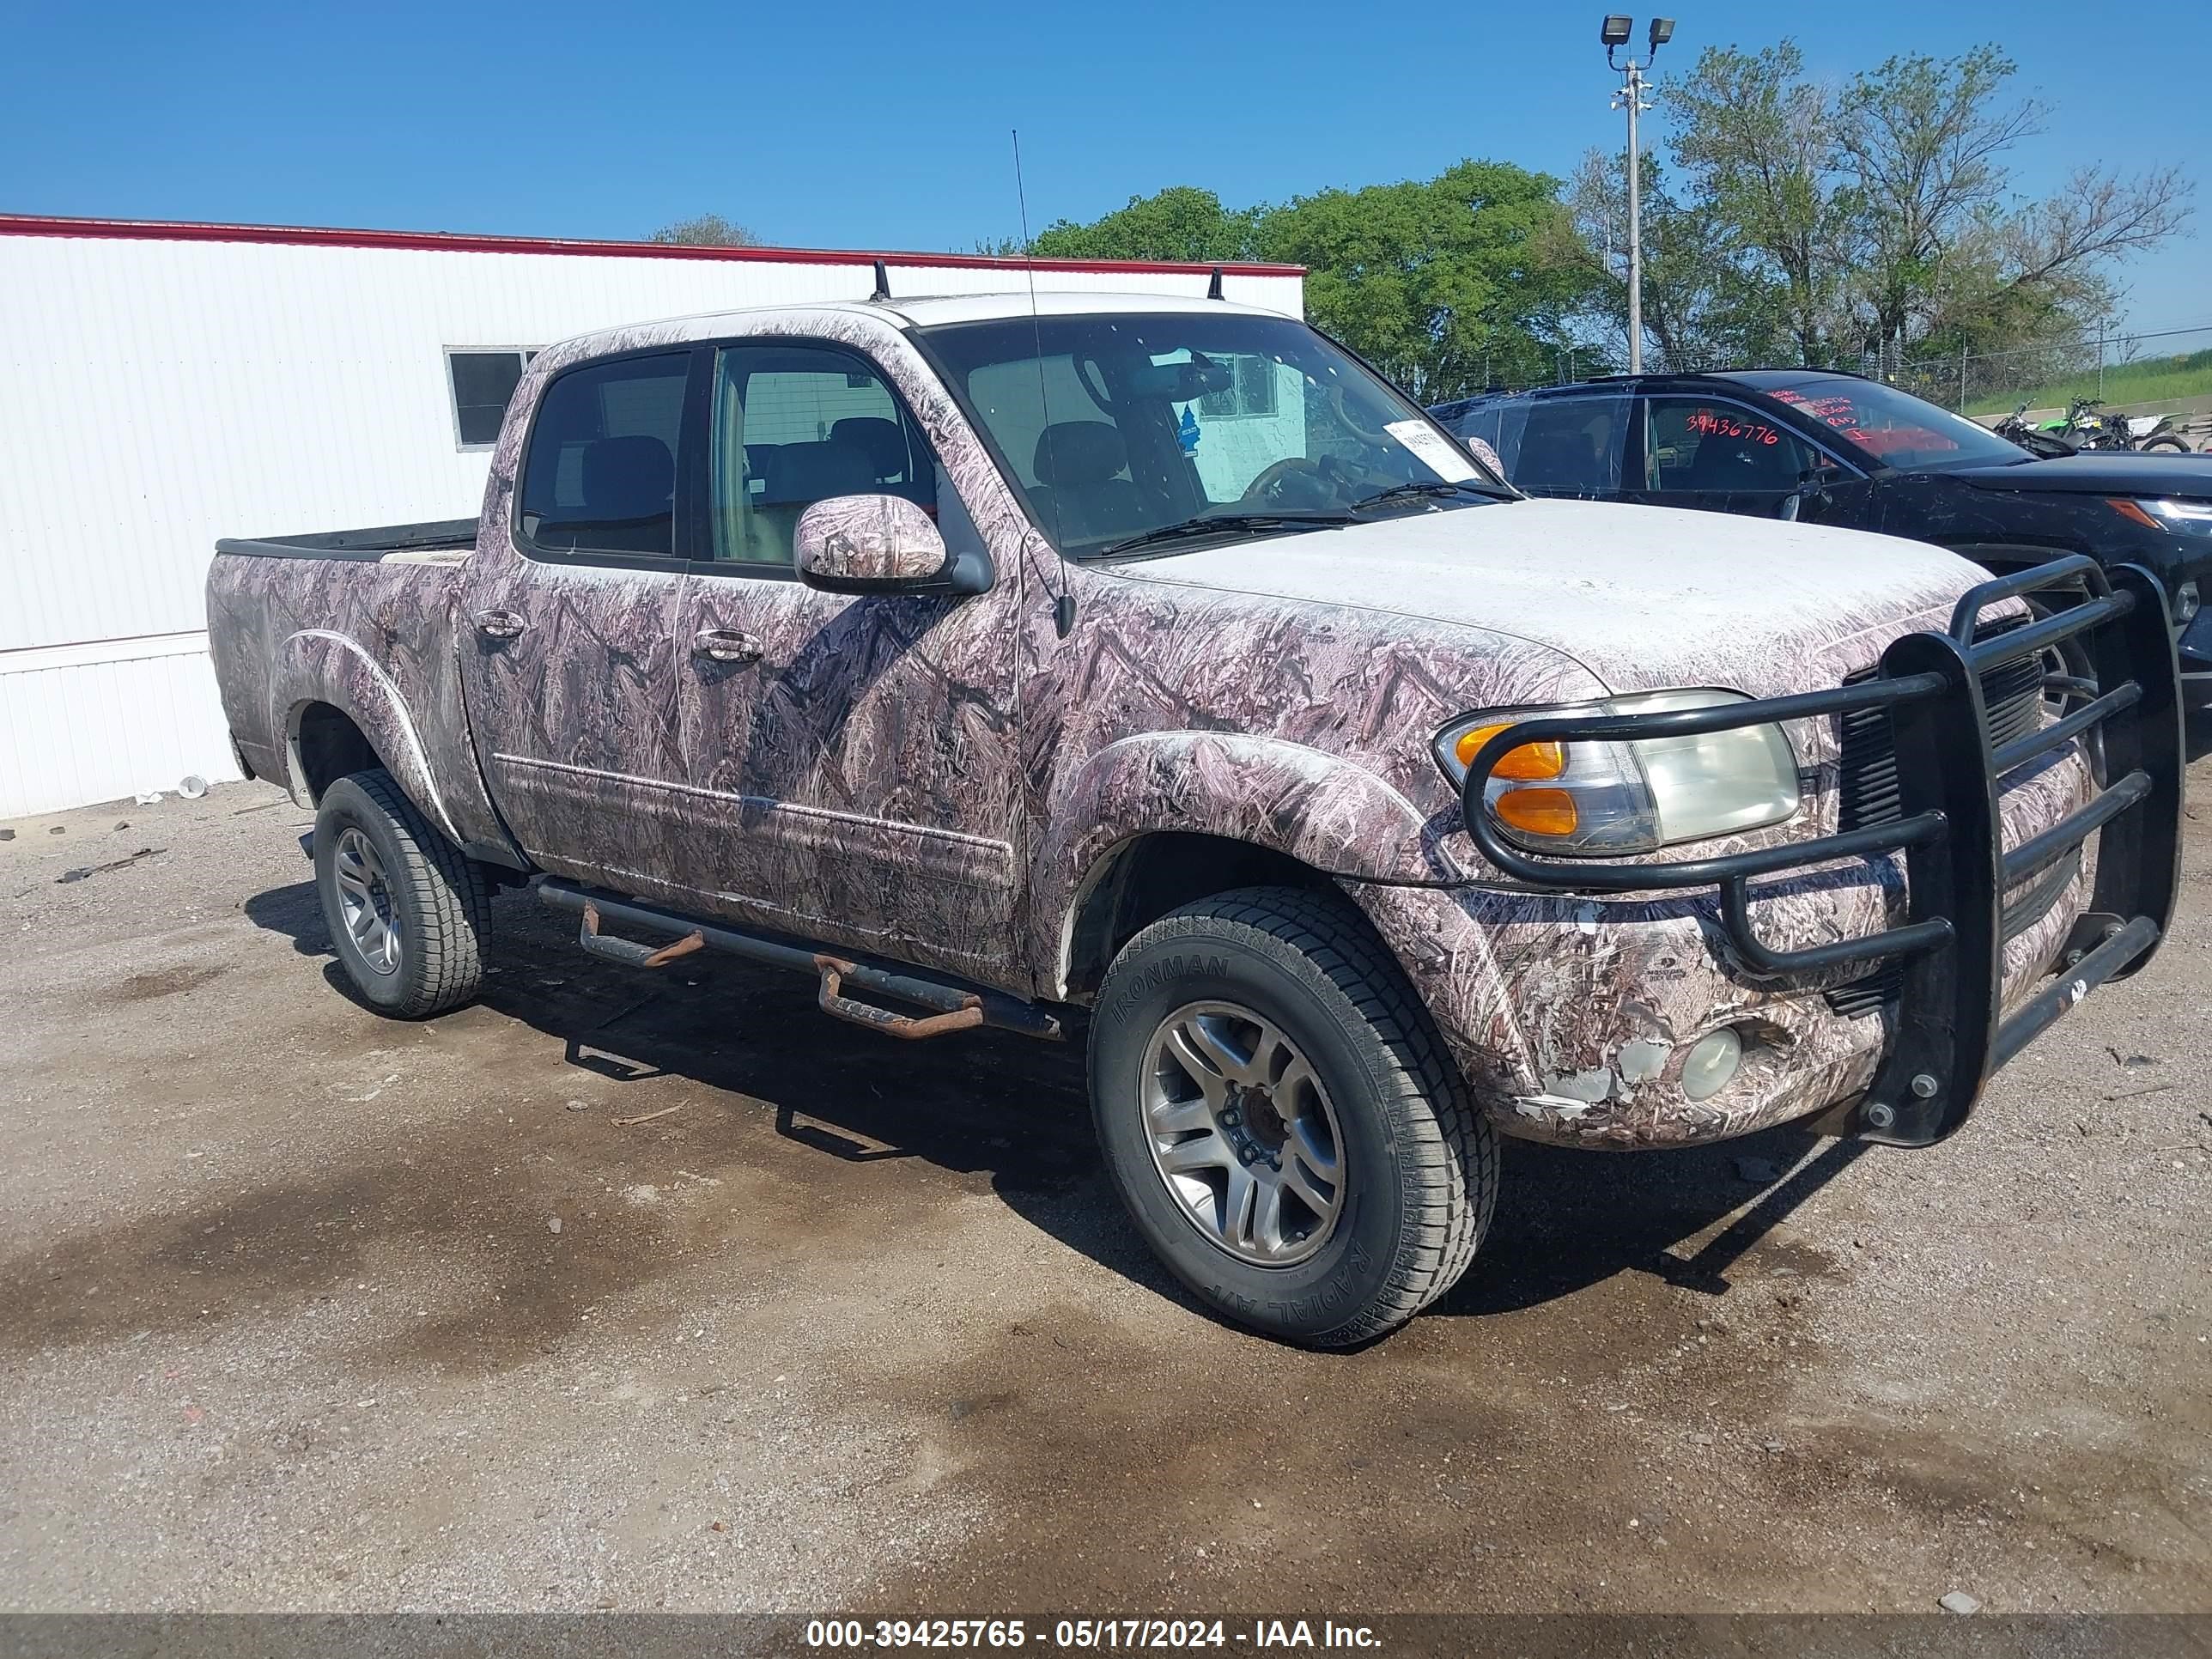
(1063, 603)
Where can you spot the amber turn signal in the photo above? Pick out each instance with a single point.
(1536, 812)
(1529, 760)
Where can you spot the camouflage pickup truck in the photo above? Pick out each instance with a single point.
(1149, 672)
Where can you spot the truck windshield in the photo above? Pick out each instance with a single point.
(1142, 430)
(1899, 429)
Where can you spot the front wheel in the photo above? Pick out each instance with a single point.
(407, 911)
(1281, 1120)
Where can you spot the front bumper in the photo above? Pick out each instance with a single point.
(1979, 970)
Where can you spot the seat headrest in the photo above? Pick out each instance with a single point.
(1725, 458)
(627, 477)
(1075, 454)
(816, 471)
(879, 439)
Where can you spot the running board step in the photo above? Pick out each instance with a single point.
(626, 951)
(965, 1017)
(953, 1006)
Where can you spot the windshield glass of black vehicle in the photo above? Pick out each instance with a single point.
(1114, 427)
(1897, 428)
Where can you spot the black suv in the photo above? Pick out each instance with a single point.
(1836, 449)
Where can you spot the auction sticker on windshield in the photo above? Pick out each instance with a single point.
(1435, 451)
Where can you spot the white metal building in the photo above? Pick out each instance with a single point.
(163, 385)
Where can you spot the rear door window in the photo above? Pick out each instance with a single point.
(599, 475)
(1554, 445)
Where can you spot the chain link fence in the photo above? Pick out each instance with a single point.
(2167, 370)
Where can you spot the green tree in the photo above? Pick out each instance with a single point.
(1182, 223)
(1704, 306)
(1879, 217)
(708, 230)
(1445, 284)
(1753, 144)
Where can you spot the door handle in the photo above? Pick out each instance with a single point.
(725, 645)
(497, 624)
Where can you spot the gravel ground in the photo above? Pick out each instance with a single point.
(674, 1293)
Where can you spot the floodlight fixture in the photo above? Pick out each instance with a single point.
(1616, 30)
(1662, 31)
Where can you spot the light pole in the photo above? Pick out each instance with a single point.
(1614, 33)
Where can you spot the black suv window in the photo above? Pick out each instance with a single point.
(1703, 447)
(601, 474)
(1553, 446)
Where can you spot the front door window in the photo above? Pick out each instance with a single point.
(1703, 446)
(797, 424)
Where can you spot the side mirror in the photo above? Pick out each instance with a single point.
(880, 544)
(1482, 452)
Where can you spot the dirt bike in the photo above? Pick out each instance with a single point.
(2152, 432)
(2046, 444)
(2085, 427)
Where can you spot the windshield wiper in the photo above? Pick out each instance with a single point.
(1455, 487)
(1226, 524)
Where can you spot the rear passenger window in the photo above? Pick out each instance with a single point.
(1566, 445)
(600, 473)
(1552, 445)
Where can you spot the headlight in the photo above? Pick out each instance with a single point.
(2177, 518)
(1588, 799)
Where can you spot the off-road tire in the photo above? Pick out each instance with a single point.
(2168, 441)
(438, 896)
(1421, 1164)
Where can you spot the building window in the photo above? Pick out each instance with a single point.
(1253, 393)
(482, 380)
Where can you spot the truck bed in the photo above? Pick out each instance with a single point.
(312, 633)
(368, 546)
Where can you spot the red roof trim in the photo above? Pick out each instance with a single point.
(439, 241)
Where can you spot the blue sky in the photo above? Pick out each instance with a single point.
(865, 124)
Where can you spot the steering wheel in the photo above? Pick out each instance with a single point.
(1268, 489)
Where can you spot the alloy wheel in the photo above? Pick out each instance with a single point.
(1244, 1133)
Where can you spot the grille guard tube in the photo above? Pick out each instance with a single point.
(1946, 1036)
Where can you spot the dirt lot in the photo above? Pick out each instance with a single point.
(301, 1309)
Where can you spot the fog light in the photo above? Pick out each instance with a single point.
(1712, 1061)
(2185, 605)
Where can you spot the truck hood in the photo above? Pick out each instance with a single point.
(1643, 597)
(2098, 472)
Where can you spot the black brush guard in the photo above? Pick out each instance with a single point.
(1947, 1037)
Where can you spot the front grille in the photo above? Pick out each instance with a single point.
(1868, 995)
(1866, 769)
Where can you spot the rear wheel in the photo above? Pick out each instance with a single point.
(1282, 1121)
(407, 911)
(2167, 442)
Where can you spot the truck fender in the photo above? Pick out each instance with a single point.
(319, 665)
(1331, 815)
